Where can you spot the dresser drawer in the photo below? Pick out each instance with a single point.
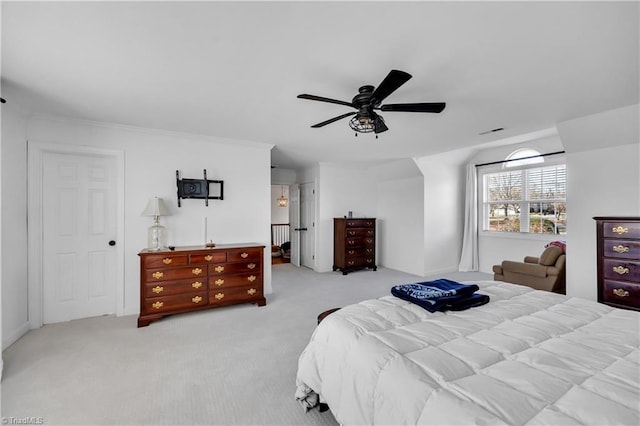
(359, 252)
(170, 288)
(164, 260)
(233, 268)
(360, 232)
(226, 281)
(353, 242)
(625, 249)
(622, 293)
(359, 262)
(235, 294)
(242, 255)
(621, 230)
(621, 270)
(178, 302)
(167, 274)
(360, 223)
(213, 257)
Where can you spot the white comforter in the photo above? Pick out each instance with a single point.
(527, 357)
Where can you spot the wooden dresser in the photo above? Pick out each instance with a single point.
(192, 278)
(619, 261)
(354, 244)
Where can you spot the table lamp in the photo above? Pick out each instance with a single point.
(157, 236)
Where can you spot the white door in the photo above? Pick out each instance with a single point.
(79, 259)
(294, 218)
(307, 224)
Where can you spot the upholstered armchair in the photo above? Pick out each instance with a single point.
(546, 272)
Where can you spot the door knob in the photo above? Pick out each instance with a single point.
(112, 243)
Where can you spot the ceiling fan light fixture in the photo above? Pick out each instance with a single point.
(362, 124)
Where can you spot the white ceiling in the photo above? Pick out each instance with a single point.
(234, 70)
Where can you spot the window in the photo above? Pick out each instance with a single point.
(525, 196)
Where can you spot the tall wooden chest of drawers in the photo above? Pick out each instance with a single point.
(192, 278)
(619, 261)
(354, 244)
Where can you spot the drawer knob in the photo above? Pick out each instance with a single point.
(196, 271)
(219, 296)
(351, 262)
(620, 230)
(244, 255)
(157, 305)
(352, 233)
(219, 281)
(219, 268)
(351, 242)
(251, 278)
(352, 251)
(196, 299)
(208, 258)
(620, 249)
(167, 260)
(620, 292)
(158, 275)
(157, 290)
(251, 265)
(620, 270)
(196, 284)
(251, 291)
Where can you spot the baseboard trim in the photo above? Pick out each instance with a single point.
(15, 335)
(449, 270)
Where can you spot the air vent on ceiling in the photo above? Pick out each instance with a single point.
(492, 131)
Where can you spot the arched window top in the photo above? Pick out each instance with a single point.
(520, 157)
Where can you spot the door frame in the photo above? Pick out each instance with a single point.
(310, 228)
(294, 220)
(35, 157)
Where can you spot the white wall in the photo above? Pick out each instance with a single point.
(603, 179)
(283, 176)
(151, 160)
(443, 210)
(400, 213)
(15, 320)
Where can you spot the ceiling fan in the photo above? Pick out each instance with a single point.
(368, 101)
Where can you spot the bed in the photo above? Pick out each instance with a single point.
(526, 357)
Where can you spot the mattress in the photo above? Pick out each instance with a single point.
(526, 357)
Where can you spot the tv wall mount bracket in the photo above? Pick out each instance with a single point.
(203, 189)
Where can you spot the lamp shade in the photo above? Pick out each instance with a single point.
(156, 207)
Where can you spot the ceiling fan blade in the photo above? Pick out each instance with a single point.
(321, 99)
(390, 84)
(331, 120)
(419, 107)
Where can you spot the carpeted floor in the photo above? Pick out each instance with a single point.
(226, 366)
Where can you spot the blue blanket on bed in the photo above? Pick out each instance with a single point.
(441, 295)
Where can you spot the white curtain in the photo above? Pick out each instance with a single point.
(469, 260)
